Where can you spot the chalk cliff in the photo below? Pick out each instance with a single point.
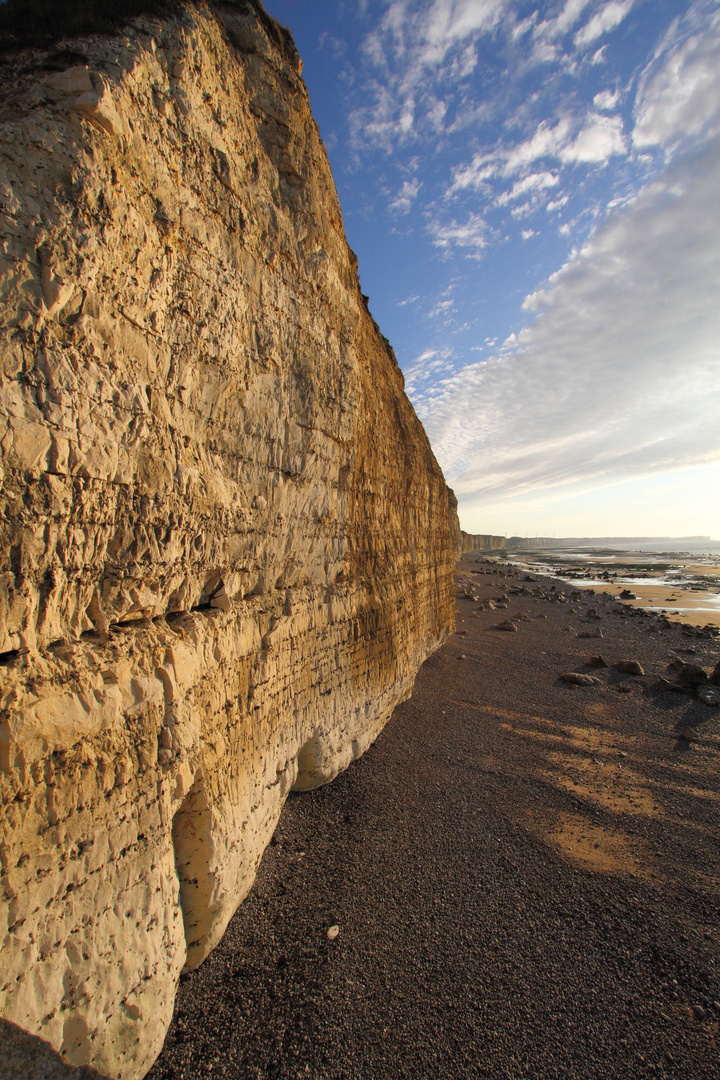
(226, 544)
(481, 542)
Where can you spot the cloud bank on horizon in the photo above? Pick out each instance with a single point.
(552, 171)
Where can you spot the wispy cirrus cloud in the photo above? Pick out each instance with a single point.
(593, 139)
(563, 22)
(607, 18)
(616, 376)
(425, 33)
(470, 234)
(679, 93)
(606, 100)
(403, 201)
(487, 143)
(530, 185)
(419, 49)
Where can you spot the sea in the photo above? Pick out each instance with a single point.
(699, 548)
(680, 578)
(686, 548)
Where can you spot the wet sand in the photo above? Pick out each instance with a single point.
(525, 874)
(696, 601)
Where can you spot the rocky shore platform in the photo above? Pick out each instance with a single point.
(520, 878)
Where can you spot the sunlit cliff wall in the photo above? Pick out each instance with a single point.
(227, 546)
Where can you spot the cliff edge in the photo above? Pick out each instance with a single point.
(226, 544)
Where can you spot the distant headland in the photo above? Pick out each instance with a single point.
(487, 542)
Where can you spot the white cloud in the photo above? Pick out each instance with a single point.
(596, 139)
(403, 201)
(533, 184)
(424, 369)
(679, 93)
(450, 21)
(470, 234)
(617, 375)
(385, 122)
(427, 31)
(419, 48)
(609, 16)
(558, 27)
(527, 233)
(523, 26)
(473, 176)
(557, 204)
(337, 46)
(600, 139)
(435, 113)
(545, 142)
(442, 307)
(545, 52)
(606, 100)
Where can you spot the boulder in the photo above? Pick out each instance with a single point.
(577, 678)
(689, 674)
(629, 667)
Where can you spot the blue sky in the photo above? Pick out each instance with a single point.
(532, 190)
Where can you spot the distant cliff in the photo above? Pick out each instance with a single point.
(226, 544)
(482, 542)
(525, 542)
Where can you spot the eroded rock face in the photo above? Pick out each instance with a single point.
(481, 542)
(227, 546)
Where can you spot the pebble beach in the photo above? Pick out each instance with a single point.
(520, 878)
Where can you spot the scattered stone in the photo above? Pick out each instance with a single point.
(688, 674)
(623, 688)
(627, 595)
(596, 633)
(510, 627)
(629, 667)
(577, 678)
(689, 734)
(709, 695)
(597, 662)
(715, 677)
(333, 932)
(699, 1012)
(665, 684)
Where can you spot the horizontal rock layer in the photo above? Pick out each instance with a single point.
(227, 546)
(481, 542)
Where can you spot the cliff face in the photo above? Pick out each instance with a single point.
(481, 542)
(227, 545)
